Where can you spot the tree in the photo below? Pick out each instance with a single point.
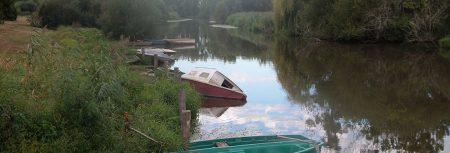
(131, 17)
(67, 12)
(7, 11)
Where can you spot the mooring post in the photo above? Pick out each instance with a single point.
(177, 74)
(185, 117)
(166, 68)
(185, 130)
(155, 61)
(182, 100)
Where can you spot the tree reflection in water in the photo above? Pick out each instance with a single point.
(396, 97)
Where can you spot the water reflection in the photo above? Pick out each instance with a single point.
(397, 98)
(215, 43)
(353, 97)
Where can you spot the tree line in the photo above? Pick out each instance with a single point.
(7, 11)
(371, 20)
(120, 17)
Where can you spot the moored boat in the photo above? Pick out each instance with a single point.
(256, 144)
(148, 55)
(180, 41)
(211, 83)
(210, 102)
(156, 50)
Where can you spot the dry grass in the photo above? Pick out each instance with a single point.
(14, 36)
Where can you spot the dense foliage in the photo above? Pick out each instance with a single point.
(115, 17)
(68, 12)
(7, 10)
(26, 7)
(131, 17)
(259, 22)
(373, 20)
(69, 95)
(183, 8)
(220, 10)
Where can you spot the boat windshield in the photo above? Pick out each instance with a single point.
(227, 84)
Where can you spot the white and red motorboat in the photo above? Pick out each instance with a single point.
(210, 82)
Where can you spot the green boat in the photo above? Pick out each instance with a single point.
(256, 144)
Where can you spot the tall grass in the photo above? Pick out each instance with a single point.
(70, 94)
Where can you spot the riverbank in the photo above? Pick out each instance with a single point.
(69, 90)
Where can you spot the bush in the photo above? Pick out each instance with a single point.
(444, 43)
(26, 7)
(7, 11)
(68, 12)
(366, 21)
(72, 93)
(131, 17)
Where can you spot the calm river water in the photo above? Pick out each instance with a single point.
(354, 98)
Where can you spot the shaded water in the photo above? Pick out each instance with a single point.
(352, 97)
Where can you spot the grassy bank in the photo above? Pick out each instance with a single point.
(69, 91)
(252, 21)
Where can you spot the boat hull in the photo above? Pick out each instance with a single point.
(210, 102)
(256, 144)
(215, 91)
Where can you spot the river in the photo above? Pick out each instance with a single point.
(352, 97)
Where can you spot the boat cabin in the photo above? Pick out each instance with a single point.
(212, 76)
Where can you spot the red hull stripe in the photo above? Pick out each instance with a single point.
(215, 91)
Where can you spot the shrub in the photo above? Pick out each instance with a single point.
(26, 7)
(72, 93)
(444, 43)
(7, 11)
(68, 12)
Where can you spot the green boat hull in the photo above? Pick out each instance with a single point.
(256, 144)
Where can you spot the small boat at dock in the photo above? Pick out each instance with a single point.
(149, 54)
(163, 42)
(211, 83)
(179, 20)
(156, 50)
(256, 144)
(180, 41)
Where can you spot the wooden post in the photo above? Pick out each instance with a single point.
(186, 121)
(177, 74)
(182, 100)
(185, 117)
(166, 68)
(155, 62)
(142, 52)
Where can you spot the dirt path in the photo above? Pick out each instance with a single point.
(14, 36)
